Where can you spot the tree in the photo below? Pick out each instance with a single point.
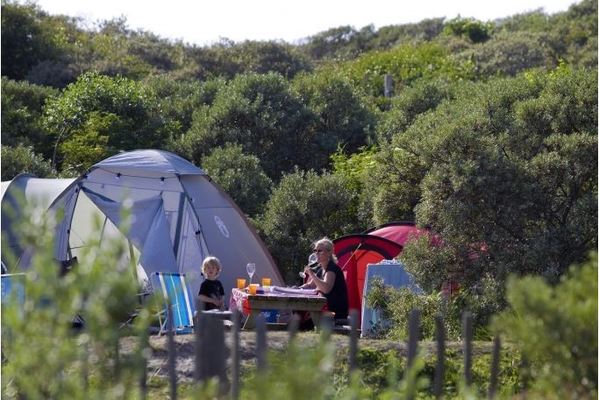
(475, 31)
(511, 53)
(22, 105)
(177, 100)
(570, 35)
(555, 328)
(410, 103)
(303, 208)
(39, 47)
(24, 41)
(392, 35)
(343, 42)
(260, 113)
(508, 178)
(21, 159)
(406, 64)
(98, 116)
(240, 176)
(343, 119)
(271, 56)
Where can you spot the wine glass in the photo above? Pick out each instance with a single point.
(312, 258)
(251, 269)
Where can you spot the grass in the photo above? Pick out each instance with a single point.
(377, 359)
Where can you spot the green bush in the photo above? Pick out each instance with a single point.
(240, 176)
(97, 116)
(303, 208)
(505, 173)
(510, 53)
(21, 159)
(43, 355)
(394, 306)
(475, 31)
(555, 328)
(260, 113)
(299, 373)
(406, 64)
(22, 105)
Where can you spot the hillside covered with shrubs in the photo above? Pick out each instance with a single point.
(489, 135)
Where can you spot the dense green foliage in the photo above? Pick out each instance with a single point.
(498, 173)
(555, 328)
(406, 64)
(22, 106)
(22, 159)
(78, 364)
(98, 116)
(305, 207)
(87, 363)
(489, 136)
(240, 175)
(342, 118)
(473, 30)
(258, 112)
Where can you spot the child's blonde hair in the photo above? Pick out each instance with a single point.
(210, 260)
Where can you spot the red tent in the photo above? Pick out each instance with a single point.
(354, 253)
(385, 242)
(401, 232)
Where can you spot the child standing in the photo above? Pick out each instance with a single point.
(211, 292)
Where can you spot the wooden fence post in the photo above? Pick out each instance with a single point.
(388, 92)
(353, 339)
(293, 326)
(413, 338)
(144, 346)
(197, 372)
(467, 337)
(212, 350)
(84, 367)
(413, 335)
(494, 378)
(172, 366)
(117, 359)
(260, 343)
(440, 367)
(326, 325)
(524, 372)
(235, 356)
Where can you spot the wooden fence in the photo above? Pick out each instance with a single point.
(210, 345)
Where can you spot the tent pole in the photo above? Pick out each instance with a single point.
(179, 224)
(352, 254)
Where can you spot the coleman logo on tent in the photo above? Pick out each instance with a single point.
(221, 226)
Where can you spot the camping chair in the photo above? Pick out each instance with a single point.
(13, 285)
(174, 291)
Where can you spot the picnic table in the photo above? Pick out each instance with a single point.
(276, 298)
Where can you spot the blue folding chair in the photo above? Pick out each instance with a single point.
(175, 292)
(13, 286)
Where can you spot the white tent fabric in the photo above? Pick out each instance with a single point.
(177, 217)
(36, 192)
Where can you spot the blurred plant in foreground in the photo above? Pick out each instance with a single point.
(555, 328)
(43, 354)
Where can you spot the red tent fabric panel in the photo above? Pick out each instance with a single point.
(354, 253)
(402, 232)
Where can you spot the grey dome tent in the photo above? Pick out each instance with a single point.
(178, 216)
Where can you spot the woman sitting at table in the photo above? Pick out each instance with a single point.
(332, 283)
